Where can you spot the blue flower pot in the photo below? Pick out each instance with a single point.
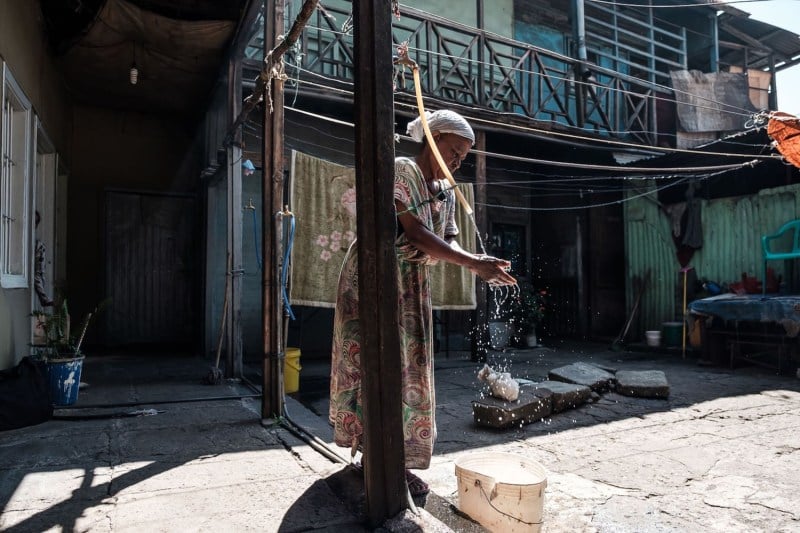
(64, 376)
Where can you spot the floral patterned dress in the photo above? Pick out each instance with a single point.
(416, 326)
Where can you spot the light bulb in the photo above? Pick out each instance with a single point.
(134, 73)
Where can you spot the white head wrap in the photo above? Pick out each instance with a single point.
(443, 121)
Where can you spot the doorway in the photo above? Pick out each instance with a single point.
(151, 270)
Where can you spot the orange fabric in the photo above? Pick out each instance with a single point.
(784, 129)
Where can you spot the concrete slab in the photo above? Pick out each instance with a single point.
(592, 376)
(642, 383)
(532, 405)
(720, 454)
(565, 395)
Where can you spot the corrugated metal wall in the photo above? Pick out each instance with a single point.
(732, 230)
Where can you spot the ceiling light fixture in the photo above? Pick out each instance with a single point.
(133, 73)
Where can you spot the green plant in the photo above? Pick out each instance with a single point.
(529, 308)
(56, 330)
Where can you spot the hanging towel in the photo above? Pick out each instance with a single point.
(323, 199)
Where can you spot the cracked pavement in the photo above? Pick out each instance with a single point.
(720, 454)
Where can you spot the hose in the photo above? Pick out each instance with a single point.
(285, 266)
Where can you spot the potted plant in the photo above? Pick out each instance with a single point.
(60, 352)
(528, 311)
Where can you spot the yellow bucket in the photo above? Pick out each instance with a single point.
(291, 370)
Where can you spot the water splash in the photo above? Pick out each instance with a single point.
(477, 233)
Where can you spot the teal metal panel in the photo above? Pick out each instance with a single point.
(732, 230)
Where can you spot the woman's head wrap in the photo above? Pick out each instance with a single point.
(443, 121)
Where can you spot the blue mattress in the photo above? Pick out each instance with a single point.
(750, 307)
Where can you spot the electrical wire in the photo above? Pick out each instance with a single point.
(712, 3)
(593, 166)
(576, 182)
(530, 129)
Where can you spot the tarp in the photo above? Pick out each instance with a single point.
(710, 102)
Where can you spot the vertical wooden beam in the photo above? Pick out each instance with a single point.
(480, 335)
(233, 368)
(772, 101)
(481, 15)
(271, 203)
(384, 454)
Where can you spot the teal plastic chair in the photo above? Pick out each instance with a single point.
(766, 240)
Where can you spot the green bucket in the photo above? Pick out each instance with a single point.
(672, 333)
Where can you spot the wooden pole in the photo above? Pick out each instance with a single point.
(233, 368)
(384, 454)
(271, 203)
(272, 59)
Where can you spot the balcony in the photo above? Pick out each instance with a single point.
(486, 72)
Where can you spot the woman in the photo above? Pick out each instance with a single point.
(425, 205)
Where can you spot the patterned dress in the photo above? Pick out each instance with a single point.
(416, 326)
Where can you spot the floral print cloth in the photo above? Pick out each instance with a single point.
(416, 326)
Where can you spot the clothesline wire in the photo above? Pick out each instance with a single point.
(583, 165)
(565, 135)
(579, 184)
(712, 3)
(557, 178)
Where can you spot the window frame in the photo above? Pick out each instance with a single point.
(16, 139)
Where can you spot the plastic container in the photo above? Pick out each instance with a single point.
(291, 370)
(672, 333)
(64, 377)
(499, 334)
(501, 491)
(653, 337)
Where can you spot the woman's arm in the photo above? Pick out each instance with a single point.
(490, 269)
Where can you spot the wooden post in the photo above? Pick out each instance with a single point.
(384, 455)
(480, 335)
(233, 368)
(271, 203)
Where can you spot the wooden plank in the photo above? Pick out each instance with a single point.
(384, 453)
(271, 200)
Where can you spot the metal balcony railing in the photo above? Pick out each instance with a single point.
(471, 67)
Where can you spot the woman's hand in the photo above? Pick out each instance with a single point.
(492, 270)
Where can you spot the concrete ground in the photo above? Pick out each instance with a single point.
(720, 454)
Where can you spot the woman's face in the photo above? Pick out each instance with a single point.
(453, 149)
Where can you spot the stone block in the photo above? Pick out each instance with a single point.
(566, 395)
(643, 383)
(531, 406)
(592, 376)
